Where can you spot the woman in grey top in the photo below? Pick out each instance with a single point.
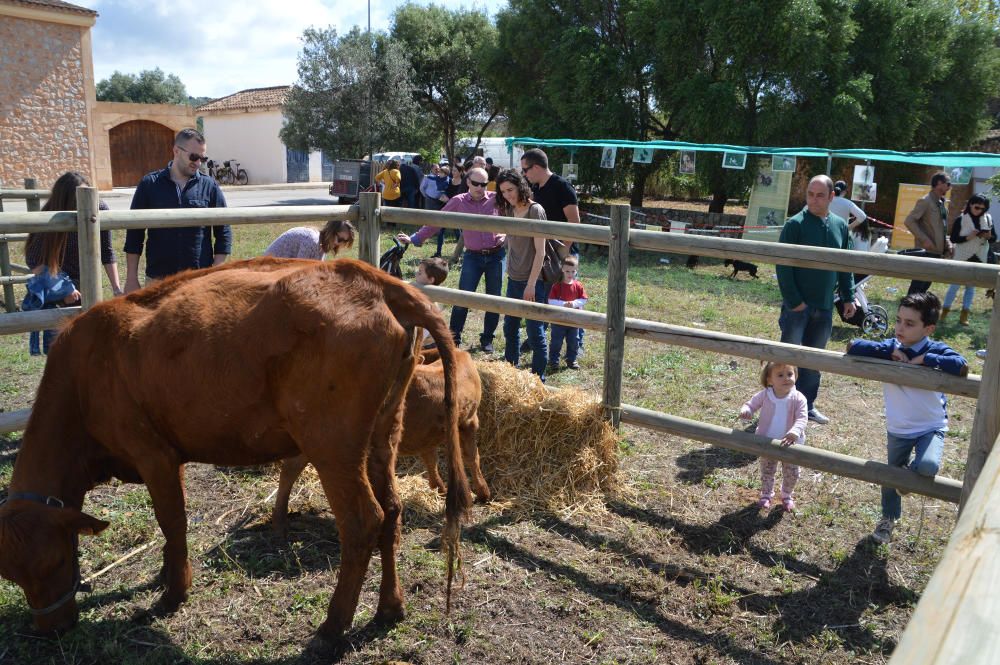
(303, 242)
(524, 266)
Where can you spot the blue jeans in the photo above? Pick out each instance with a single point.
(810, 327)
(571, 335)
(536, 334)
(474, 267)
(949, 296)
(47, 337)
(927, 450)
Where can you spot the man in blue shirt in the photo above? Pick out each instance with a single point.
(180, 185)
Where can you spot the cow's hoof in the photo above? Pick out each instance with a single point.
(389, 617)
(483, 497)
(171, 602)
(331, 630)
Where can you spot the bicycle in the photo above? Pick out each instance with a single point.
(230, 173)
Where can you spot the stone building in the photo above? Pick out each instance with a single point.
(50, 119)
(46, 91)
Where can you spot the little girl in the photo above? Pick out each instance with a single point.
(783, 415)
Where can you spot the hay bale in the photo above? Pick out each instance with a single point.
(543, 449)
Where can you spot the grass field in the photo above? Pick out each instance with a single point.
(679, 568)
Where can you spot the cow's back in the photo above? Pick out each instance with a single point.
(222, 365)
(426, 419)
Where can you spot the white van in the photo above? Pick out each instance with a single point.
(402, 157)
(491, 146)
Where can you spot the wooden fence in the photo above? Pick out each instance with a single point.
(32, 198)
(369, 215)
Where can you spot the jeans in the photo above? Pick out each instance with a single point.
(571, 335)
(949, 296)
(410, 196)
(927, 450)
(440, 238)
(474, 267)
(810, 327)
(47, 337)
(921, 287)
(536, 334)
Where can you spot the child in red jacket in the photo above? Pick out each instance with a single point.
(567, 293)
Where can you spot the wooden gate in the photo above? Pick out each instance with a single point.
(138, 147)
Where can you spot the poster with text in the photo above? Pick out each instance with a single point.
(569, 172)
(768, 207)
(608, 158)
(643, 156)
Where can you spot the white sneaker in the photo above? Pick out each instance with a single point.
(883, 531)
(817, 417)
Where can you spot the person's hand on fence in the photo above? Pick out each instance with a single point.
(745, 413)
(917, 360)
(789, 439)
(898, 355)
(73, 298)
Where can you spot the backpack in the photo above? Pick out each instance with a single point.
(389, 261)
(552, 264)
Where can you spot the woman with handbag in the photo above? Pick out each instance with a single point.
(971, 234)
(525, 256)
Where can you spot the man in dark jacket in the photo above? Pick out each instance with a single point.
(411, 175)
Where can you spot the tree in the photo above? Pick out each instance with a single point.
(151, 86)
(353, 94)
(448, 52)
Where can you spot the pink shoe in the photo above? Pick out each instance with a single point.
(788, 504)
(764, 503)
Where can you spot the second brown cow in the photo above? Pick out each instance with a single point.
(425, 428)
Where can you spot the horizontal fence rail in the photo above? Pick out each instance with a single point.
(813, 458)
(706, 340)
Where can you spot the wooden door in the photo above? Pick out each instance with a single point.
(138, 147)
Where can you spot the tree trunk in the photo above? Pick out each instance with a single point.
(718, 203)
(639, 178)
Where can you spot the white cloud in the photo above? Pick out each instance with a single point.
(220, 48)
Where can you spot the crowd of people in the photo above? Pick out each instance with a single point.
(916, 419)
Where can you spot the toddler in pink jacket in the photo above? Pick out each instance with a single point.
(783, 415)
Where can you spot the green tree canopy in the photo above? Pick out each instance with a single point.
(151, 86)
(448, 51)
(353, 91)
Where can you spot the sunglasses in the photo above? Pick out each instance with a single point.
(977, 206)
(473, 183)
(525, 169)
(341, 240)
(193, 156)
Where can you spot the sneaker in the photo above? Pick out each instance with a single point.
(883, 531)
(573, 365)
(551, 368)
(818, 417)
(487, 348)
(764, 503)
(788, 504)
(981, 353)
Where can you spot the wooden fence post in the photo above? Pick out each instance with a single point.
(368, 227)
(614, 340)
(88, 229)
(9, 302)
(986, 426)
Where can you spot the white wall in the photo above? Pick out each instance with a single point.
(250, 138)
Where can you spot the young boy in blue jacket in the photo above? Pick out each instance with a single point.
(915, 419)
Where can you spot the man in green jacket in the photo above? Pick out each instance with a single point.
(806, 293)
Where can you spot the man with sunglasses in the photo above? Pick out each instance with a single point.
(180, 185)
(484, 254)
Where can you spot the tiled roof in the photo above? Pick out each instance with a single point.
(254, 99)
(52, 4)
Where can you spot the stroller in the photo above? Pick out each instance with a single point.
(872, 319)
(389, 261)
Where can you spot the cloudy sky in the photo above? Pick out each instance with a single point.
(217, 48)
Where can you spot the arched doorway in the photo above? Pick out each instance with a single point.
(138, 147)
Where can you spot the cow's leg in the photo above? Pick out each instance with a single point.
(359, 519)
(470, 454)
(165, 481)
(382, 474)
(291, 469)
(430, 458)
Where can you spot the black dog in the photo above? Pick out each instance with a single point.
(741, 266)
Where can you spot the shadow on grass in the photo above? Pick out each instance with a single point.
(698, 464)
(837, 600)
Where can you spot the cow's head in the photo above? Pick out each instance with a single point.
(38, 550)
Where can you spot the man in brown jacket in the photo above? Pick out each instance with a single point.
(928, 222)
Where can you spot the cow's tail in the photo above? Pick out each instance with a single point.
(411, 308)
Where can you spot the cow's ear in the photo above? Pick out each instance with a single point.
(85, 525)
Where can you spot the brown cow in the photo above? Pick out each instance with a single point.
(425, 427)
(247, 363)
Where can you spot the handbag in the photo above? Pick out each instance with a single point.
(552, 264)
